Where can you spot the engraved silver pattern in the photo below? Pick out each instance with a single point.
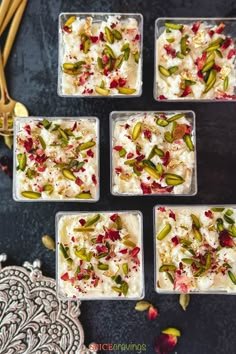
(32, 319)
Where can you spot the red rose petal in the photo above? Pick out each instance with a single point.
(220, 28)
(28, 129)
(74, 127)
(84, 77)
(172, 215)
(146, 188)
(156, 187)
(113, 84)
(122, 82)
(65, 277)
(165, 343)
(113, 25)
(135, 251)
(200, 62)
(105, 59)
(209, 214)
(137, 37)
(94, 39)
(211, 33)
(28, 144)
(102, 249)
(67, 29)
(225, 239)
(130, 155)
(82, 222)
(72, 239)
(196, 26)
(181, 283)
(124, 251)
(117, 148)
(217, 67)
(90, 153)
(113, 217)
(186, 91)
(227, 42)
(162, 209)
(231, 53)
(162, 97)
(118, 170)
(147, 134)
(101, 36)
(113, 235)
(152, 313)
(170, 51)
(94, 179)
(79, 181)
(166, 158)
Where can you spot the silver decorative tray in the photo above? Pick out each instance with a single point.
(32, 319)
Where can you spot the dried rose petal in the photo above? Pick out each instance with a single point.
(6, 165)
(94, 179)
(231, 53)
(90, 153)
(146, 188)
(181, 283)
(84, 77)
(135, 251)
(101, 36)
(152, 313)
(118, 170)
(147, 134)
(65, 277)
(28, 129)
(165, 343)
(200, 62)
(227, 42)
(200, 75)
(122, 82)
(166, 158)
(124, 251)
(117, 148)
(28, 144)
(137, 37)
(99, 239)
(211, 33)
(79, 181)
(82, 222)
(196, 26)
(102, 249)
(186, 91)
(220, 28)
(67, 29)
(225, 239)
(113, 84)
(113, 235)
(73, 239)
(156, 187)
(113, 217)
(209, 214)
(94, 39)
(170, 51)
(162, 209)
(130, 155)
(172, 215)
(175, 240)
(217, 67)
(162, 97)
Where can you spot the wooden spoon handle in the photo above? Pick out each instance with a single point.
(13, 31)
(14, 5)
(3, 9)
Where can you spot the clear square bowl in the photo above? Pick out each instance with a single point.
(97, 18)
(221, 290)
(123, 116)
(229, 30)
(17, 123)
(59, 257)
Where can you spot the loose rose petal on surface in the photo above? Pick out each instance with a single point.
(152, 313)
(99, 239)
(225, 239)
(142, 305)
(165, 343)
(156, 187)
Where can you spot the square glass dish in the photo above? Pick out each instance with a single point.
(153, 153)
(100, 255)
(100, 55)
(195, 59)
(56, 159)
(195, 249)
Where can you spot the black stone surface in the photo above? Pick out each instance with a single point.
(208, 326)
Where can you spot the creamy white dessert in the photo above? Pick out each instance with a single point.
(195, 249)
(152, 153)
(56, 159)
(100, 255)
(195, 61)
(100, 57)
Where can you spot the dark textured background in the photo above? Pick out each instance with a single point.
(208, 326)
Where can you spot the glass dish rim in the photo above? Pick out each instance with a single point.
(189, 19)
(195, 176)
(54, 118)
(173, 292)
(141, 24)
(60, 214)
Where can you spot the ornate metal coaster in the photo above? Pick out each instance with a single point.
(32, 319)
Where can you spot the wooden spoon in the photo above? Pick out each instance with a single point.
(8, 16)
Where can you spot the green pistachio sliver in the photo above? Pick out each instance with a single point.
(174, 26)
(208, 66)
(117, 279)
(232, 230)
(179, 55)
(129, 243)
(152, 172)
(122, 152)
(81, 254)
(226, 83)
(124, 288)
(30, 173)
(214, 45)
(136, 131)
(164, 232)
(109, 35)
(84, 195)
(162, 122)
(228, 219)
(130, 162)
(115, 288)
(46, 123)
(100, 63)
(125, 268)
(188, 142)
(197, 234)
(126, 90)
(219, 53)
(118, 223)
(169, 276)
(136, 171)
(48, 188)
(208, 260)
(210, 57)
(183, 45)
(63, 250)
(199, 272)
(109, 51)
(124, 47)
(167, 268)
(42, 142)
(185, 242)
(219, 224)
(117, 34)
(119, 61)
(188, 261)
(232, 277)
(148, 163)
(158, 151)
(87, 145)
(103, 266)
(175, 117)
(126, 54)
(218, 209)
(62, 134)
(163, 71)
(159, 168)
(31, 195)
(136, 56)
(229, 212)
(22, 160)
(196, 221)
(93, 220)
(86, 46)
(83, 229)
(170, 40)
(168, 137)
(68, 174)
(210, 81)
(172, 179)
(173, 69)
